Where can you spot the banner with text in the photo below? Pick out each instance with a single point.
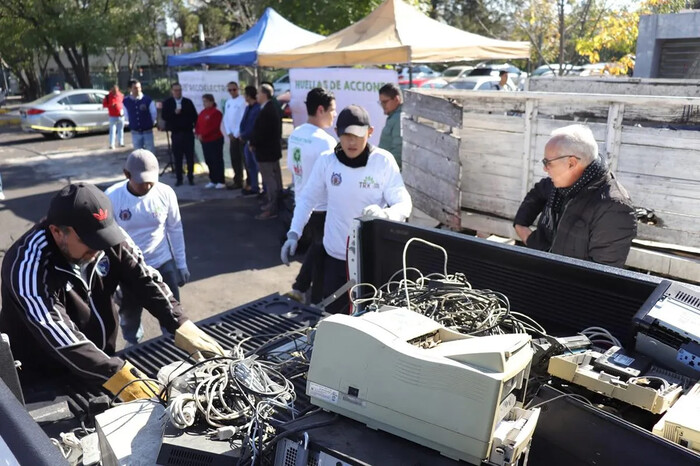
(197, 83)
(349, 85)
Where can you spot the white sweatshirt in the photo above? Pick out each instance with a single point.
(349, 190)
(233, 114)
(153, 222)
(305, 145)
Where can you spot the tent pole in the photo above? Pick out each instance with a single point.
(410, 75)
(258, 76)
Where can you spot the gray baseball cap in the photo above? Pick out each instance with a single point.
(143, 166)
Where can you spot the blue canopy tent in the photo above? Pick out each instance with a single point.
(272, 33)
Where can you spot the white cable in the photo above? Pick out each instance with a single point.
(405, 250)
(182, 411)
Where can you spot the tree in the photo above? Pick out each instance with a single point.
(22, 55)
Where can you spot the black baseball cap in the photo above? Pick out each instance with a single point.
(353, 120)
(88, 210)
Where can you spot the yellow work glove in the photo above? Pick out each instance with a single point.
(191, 339)
(135, 390)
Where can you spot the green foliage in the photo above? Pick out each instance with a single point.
(159, 89)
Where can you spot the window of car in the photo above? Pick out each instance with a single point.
(486, 86)
(77, 99)
(283, 79)
(97, 98)
(452, 72)
(461, 85)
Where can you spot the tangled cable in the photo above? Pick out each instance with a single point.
(447, 299)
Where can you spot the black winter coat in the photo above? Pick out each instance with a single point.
(597, 225)
(267, 134)
(182, 122)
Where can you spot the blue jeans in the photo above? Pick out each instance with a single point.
(143, 140)
(251, 166)
(116, 130)
(130, 311)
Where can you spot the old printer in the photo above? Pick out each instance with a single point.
(667, 328)
(406, 374)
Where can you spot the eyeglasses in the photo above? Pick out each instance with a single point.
(383, 102)
(232, 89)
(546, 162)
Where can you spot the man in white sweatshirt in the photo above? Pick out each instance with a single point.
(304, 147)
(354, 179)
(148, 211)
(233, 113)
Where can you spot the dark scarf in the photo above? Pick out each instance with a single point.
(559, 197)
(357, 162)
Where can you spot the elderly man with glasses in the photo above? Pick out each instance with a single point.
(233, 114)
(584, 212)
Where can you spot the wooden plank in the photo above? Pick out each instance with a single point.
(529, 140)
(444, 193)
(545, 126)
(616, 85)
(663, 138)
(489, 224)
(431, 162)
(490, 204)
(662, 203)
(427, 137)
(433, 108)
(512, 124)
(668, 235)
(614, 134)
(493, 185)
(491, 142)
(490, 164)
(660, 185)
(671, 163)
(434, 208)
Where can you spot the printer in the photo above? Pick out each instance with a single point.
(403, 373)
(667, 328)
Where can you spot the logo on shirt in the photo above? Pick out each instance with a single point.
(369, 183)
(125, 214)
(336, 179)
(296, 157)
(102, 267)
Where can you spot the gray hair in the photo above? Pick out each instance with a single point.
(576, 140)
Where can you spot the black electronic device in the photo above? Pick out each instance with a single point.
(625, 364)
(192, 448)
(667, 328)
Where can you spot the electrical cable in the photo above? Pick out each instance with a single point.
(565, 395)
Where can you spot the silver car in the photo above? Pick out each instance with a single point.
(62, 114)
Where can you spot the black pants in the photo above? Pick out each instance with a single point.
(311, 273)
(336, 274)
(236, 153)
(214, 158)
(183, 145)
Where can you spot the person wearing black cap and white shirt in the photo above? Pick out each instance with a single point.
(355, 179)
(148, 211)
(57, 285)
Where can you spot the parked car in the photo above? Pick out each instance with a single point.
(435, 83)
(553, 70)
(284, 100)
(416, 82)
(474, 83)
(418, 72)
(64, 111)
(456, 72)
(516, 75)
(282, 84)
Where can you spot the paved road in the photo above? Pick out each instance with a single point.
(233, 258)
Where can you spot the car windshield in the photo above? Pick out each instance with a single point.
(452, 72)
(461, 85)
(44, 99)
(480, 72)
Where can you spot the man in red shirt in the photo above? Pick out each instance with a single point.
(208, 131)
(113, 102)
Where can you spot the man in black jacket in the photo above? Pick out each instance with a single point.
(180, 117)
(57, 285)
(584, 211)
(266, 143)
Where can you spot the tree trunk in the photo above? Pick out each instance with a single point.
(562, 34)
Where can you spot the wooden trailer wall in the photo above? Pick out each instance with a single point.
(470, 157)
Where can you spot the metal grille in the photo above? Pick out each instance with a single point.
(288, 454)
(680, 59)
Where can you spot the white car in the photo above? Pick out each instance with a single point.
(282, 84)
(475, 83)
(456, 72)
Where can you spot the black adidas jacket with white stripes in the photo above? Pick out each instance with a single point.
(59, 322)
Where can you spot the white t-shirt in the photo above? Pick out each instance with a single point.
(152, 221)
(304, 146)
(347, 192)
(233, 114)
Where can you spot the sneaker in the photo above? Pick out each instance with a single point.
(209, 185)
(296, 295)
(248, 192)
(267, 215)
(178, 183)
(112, 147)
(219, 186)
(2, 196)
(121, 144)
(191, 181)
